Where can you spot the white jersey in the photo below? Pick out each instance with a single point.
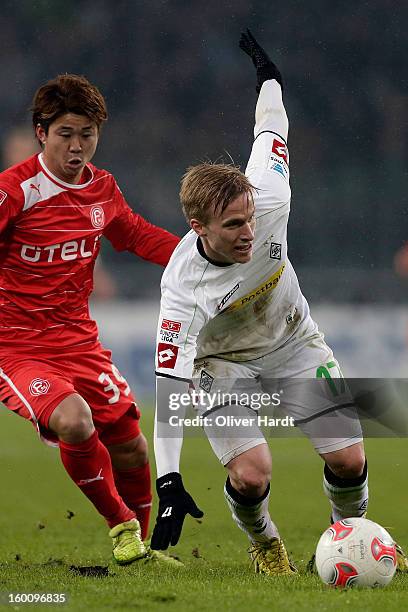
(238, 312)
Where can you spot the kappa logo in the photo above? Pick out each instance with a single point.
(3, 196)
(227, 297)
(167, 355)
(206, 381)
(97, 217)
(39, 386)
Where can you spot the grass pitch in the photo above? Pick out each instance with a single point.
(47, 527)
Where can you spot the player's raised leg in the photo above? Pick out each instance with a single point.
(88, 463)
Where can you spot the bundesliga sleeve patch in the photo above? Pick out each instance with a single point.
(167, 355)
(168, 325)
(169, 330)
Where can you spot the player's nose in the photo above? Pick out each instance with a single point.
(75, 144)
(248, 232)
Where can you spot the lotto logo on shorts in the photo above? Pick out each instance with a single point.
(39, 386)
(167, 355)
(97, 217)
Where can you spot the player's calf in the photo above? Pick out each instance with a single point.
(345, 481)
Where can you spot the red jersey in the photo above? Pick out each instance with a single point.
(50, 234)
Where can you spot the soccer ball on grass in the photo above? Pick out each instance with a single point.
(356, 552)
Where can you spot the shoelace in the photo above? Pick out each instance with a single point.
(258, 550)
(126, 537)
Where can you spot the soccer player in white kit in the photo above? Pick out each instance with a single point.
(233, 318)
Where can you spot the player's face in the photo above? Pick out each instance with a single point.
(69, 145)
(228, 238)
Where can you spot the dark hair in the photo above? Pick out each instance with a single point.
(211, 187)
(67, 93)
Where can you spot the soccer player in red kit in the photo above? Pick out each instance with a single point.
(54, 209)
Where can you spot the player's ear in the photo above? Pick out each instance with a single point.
(40, 133)
(198, 227)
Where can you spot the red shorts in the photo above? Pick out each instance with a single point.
(34, 385)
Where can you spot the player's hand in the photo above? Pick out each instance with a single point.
(265, 68)
(174, 504)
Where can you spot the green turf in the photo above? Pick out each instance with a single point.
(39, 543)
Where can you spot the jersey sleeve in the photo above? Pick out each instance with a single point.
(179, 324)
(268, 165)
(129, 231)
(11, 204)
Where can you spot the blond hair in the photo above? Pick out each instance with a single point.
(207, 188)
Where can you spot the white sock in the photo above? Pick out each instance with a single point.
(348, 496)
(251, 515)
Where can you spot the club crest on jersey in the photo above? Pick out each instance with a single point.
(39, 386)
(167, 355)
(169, 330)
(227, 297)
(97, 217)
(275, 251)
(206, 381)
(3, 196)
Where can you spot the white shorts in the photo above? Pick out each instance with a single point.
(298, 385)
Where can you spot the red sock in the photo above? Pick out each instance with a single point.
(134, 486)
(89, 465)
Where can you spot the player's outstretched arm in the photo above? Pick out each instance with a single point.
(180, 322)
(265, 68)
(174, 501)
(268, 165)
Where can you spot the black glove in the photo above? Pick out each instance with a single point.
(174, 504)
(265, 68)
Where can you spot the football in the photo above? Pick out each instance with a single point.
(356, 552)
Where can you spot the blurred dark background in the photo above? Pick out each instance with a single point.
(179, 91)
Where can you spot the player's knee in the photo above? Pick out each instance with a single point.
(250, 472)
(72, 420)
(347, 463)
(251, 482)
(133, 453)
